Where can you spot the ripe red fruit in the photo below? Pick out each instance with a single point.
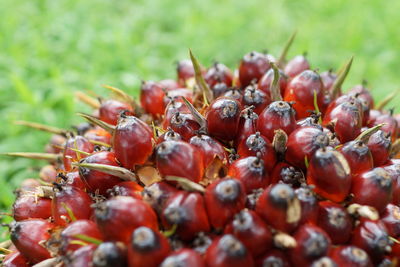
(312, 243)
(79, 227)
(169, 135)
(99, 135)
(158, 194)
(28, 206)
(187, 211)
(390, 126)
(308, 203)
(252, 67)
(80, 257)
(224, 198)
(185, 71)
(97, 180)
(210, 148)
(278, 115)
(264, 83)
(350, 256)
(28, 235)
(127, 189)
(335, 221)
(119, 216)
(252, 231)
(184, 124)
(358, 156)
(177, 158)
(256, 98)
(371, 236)
(251, 171)
(183, 258)
(110, 109)
(279, 207)
(132, 141)
(372, 188)
(274, 258)
(72, 179)
(77, 142)
(152, 98)
(328, 78)
(394, 172)
(302, 89)
(176, 94)
(391, 219)
(15, 259)
(302, 143)
(324, 262)
(330, 173)
(109, 254)
(362, 93)
(247, 125)
(219, 89)
(258, 144)
(218, 73)
(222, 117)
(297, 65)
(380, 145)
(172, 108)
(147, 248)
(235, 94)
(227, 251)
(70, 203)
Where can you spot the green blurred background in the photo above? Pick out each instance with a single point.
(49, 49)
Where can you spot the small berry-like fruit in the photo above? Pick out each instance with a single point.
(350, 256)
(297, 65)
(109, 254)
(110, 109)
(252, 67)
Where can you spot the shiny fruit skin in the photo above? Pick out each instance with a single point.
(224, 198)
(394, 172)
(358, 156)
(390, 217)
(390, 126)
(309, 205)
(119, 216)
(348, 255)
(15, 259)
(110, 254)
(110, 109)
(278, 115)
(222, 117)
(209, 147)
(264, 83)
(127, 189)
(226, 251)
(184, 257)
(330, 173)
(252, 67)
(184, 124)
(147, 248)
(177, 158)
(296, 65)
(173, 107)
(98, 134)
(252, 231)
(81, 257)
(76, 142)
(185, 71)
(26, 236)
(27, 207)
(158, 194)
(255, 97)
(380, 145)
(72, 179)
(169, 135)
(132, 141)
(328, 78)
(363, 93)
(218, 73)
(247, 125)
(152, 98)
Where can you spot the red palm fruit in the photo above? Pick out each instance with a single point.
(278, 115)
(70, 203)
(390, 126)
(97, 180)
(264, 83)
(185, 71)
(372, 188)
(252, 67)
(274, 258)
(372, 237)
(28, 206)
(28, 235)
(15, 259)
(335, 221)
(312, 243)
(81, 257)
(224, 198)
(147, 247)
(152, 98)
(362, 93)
(127, 189)
(187, 211)
(373, 114)
(247, 125)
(71, 179)
(172, 108)
(219, 89)
(176, 94)
(350, 256)
(308, 203)
(222, 117)
(251, 171)
(394, 172)
(287, 174)
(328, 78)
(301, 89)
(77, 142)
(235, 94)
(297, 65)
(110, 254)
(55, 143)
(344, 99)
(391, 219)
(158, 194)
(169, 135)
(324, 262)
(252, 231)
(330, 173)
(380, 145)
(279, 207)
(218, 73)
(169, 84)
(119, 216)
(177, 158)
(227, 251)
(302, 143)
(255, 97)
(110, 109)
(311, 121)
(184, 257)
(358, 156)
(256, 143)
(346, 119)
(210, 148)
(132, 141)
(98, 134)
(184, 124)
(48, 173)
(79, 227)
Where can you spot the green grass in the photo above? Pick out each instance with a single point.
(49, 49)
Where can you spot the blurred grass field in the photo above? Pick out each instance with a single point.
(49, 49)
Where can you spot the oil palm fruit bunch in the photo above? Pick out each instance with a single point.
(270, 164)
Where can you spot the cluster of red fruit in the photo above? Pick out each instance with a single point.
(271, 165)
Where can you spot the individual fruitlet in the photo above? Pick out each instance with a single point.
(297, 65)
(28, 206)
(350, 256)
(152, 98)
(183, 258)
(72, 149)
(379, 144)
(110, 109)
(110, 254)
(252, 67)
(218, 73)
